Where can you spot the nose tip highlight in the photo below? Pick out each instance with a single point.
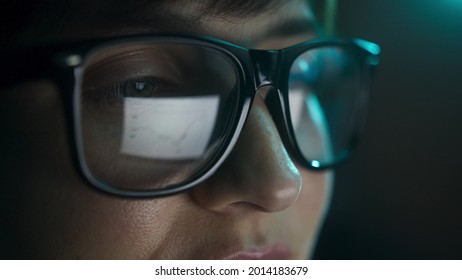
(280, 193)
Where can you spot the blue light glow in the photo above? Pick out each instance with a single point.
(314, 107)
(303, 65)
(369, 46)
(373, 60)
(315, 163)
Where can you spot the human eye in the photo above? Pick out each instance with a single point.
(140, 87)
(140, 74)
(137, 87)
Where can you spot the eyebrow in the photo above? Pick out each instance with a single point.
(163, 16)
(280, 29)
(247, 8)
(168, 21)
(237, 8)
(163, 13)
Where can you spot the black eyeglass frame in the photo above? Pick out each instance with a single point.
(256, 68)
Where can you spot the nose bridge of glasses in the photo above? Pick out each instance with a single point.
(265, 67)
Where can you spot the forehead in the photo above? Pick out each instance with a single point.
(71, 20)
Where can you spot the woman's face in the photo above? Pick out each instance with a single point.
(250, 208)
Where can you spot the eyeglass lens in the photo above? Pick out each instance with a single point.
(154, 114)
(324, 92)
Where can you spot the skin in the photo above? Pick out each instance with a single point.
(251, 203)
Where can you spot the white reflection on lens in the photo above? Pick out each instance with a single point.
(310, 125)
(168, 128)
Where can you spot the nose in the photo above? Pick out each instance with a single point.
(258, 173)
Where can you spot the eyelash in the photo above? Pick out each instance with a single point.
(113, 94)
(154, 86)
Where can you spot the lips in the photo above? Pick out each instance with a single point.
(270, 253)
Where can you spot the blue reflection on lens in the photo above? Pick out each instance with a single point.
(369, 46)
(315, 163)
(314, 107)
(303, 65)
(373, 60)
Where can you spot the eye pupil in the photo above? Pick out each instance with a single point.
(140, 86)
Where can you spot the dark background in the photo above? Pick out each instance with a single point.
(400, 197)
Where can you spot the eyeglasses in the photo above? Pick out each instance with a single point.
(156, 115)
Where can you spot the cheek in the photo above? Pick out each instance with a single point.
(77, 222)
(50, 211)
(312, 205)
(316, 191)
